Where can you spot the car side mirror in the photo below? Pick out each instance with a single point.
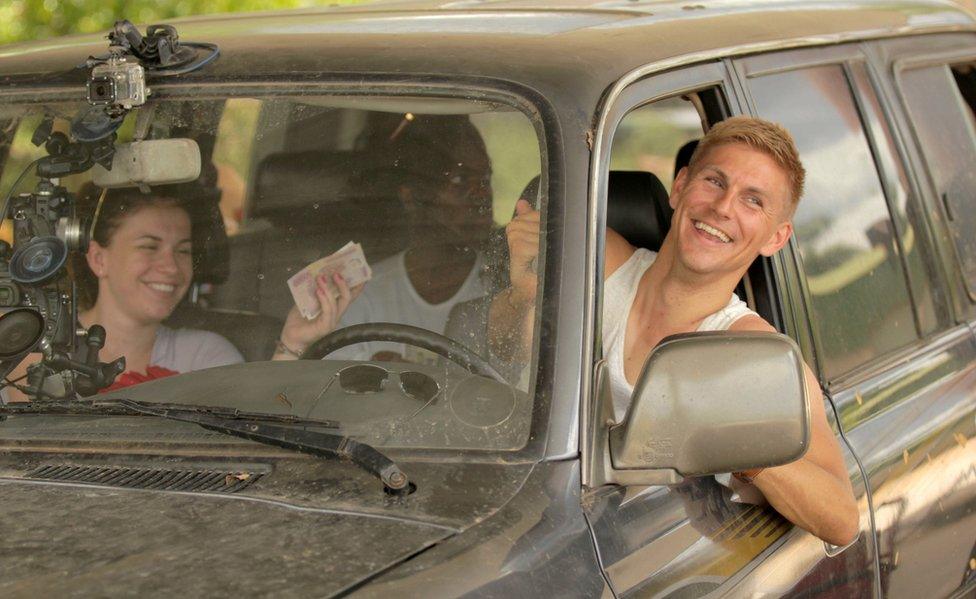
(706, 403)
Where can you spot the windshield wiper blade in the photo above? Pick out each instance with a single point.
(122, 407)
(258, 427)
(221, 411)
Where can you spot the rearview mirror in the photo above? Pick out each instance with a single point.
(707, 403)
(150, 162)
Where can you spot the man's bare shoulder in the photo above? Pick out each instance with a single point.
(752, 322)
(618, 251)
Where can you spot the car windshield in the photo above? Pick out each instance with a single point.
(311, 214)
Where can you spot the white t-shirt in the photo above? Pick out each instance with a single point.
(390, 297)
(185, 350)
(619, 293)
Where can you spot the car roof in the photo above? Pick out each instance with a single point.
(579, 46)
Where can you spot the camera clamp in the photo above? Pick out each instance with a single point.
(117, 80)
(37, 298)
(32, 274)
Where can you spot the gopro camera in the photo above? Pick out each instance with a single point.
(118, 83)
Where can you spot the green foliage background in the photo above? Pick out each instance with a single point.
(22, 20)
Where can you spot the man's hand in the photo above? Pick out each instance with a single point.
(523, 249)
(298, 333)
(513, 309)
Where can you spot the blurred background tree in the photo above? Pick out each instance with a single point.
(23, 20)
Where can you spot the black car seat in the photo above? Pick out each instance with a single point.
(467, 322)
(253, 334)
(683, 157)
(638, 208)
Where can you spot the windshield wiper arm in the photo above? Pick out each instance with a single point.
(313, 442)
(256, 427)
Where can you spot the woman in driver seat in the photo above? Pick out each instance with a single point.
(140, 257)
(138, 267)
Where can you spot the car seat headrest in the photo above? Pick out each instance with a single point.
(531, 192)
(211, 252)
(683, 157)
(638, 208)
(294, 181)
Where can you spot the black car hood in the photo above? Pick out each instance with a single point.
(302, 526)
(68, 540)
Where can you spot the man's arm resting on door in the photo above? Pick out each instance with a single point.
(815, 491)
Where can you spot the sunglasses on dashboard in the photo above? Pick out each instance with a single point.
(369, 378)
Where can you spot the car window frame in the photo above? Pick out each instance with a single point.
(651, 87)
(964, 303)
(629, 573)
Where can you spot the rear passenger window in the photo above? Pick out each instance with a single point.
(859, 299)
(940, 100)
(233, 149)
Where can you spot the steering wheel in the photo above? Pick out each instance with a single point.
(401, 333)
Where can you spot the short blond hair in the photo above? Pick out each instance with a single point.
(764, 136)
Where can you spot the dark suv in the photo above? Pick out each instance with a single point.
(460, 473)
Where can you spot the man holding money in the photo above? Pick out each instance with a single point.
(438, 167)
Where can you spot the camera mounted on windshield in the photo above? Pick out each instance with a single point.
(117, 80)
(38, 310)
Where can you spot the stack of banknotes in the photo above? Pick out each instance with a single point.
(348, 261)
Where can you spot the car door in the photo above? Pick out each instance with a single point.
(896, 363)
(932, 81)
(691, 539)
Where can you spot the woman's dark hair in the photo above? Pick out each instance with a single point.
(118, 205)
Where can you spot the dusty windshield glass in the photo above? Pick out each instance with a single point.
(311, 215)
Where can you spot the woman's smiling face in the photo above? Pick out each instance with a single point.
(147, 266)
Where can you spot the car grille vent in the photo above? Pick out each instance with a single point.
(203, 481)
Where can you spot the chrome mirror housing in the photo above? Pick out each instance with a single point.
(707, 403)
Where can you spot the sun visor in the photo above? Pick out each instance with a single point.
(150, 162)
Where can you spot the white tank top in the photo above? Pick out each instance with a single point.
(619, 292)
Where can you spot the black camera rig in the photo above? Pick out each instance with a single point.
(33, 277)
(38, 309)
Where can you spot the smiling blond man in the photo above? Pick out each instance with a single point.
(732, 203)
